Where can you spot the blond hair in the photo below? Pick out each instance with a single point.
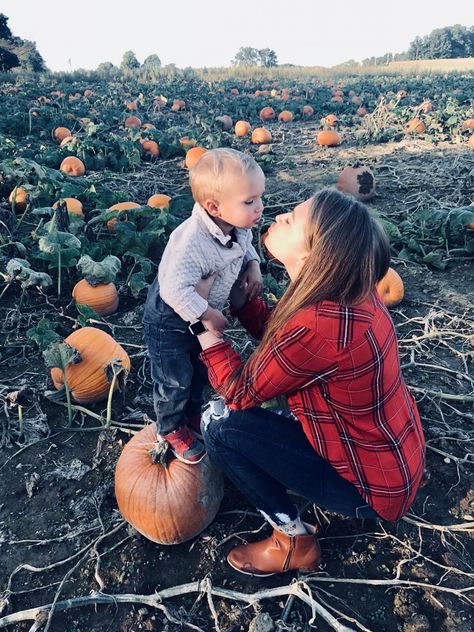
(208, 175)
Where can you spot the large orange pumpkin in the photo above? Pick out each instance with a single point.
(103, 298)
(120, 206)
(358, 181)
(415, 126)
(193, 156)
(242, 128)
(72, 205)
(328, 137)
(391, 288)
(261, 135)
(72, 166)
(87, 380)
(159, 200)
(267, 114)
(167, 505)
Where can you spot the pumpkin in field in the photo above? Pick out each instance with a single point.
(72, 166)
(358, 181)
(285, 116)
(120, 206)
(330, 120)
(159, 201)
(167, 505)
(467, 124)
(97, 288)
(361, 111)
(61, 132)
(426, 106)
(132, 106)
(267, 114)
(150, 147)
(88, 93)
(328, 138)
(261, 135)
(87, 378)
(187, 142)
(73, 206)
(401, 94)
(234, 91)
(415, 126)
(178, 104)
(132, 121)
(225, 122)
(21, 198)
(242, 128)
(66, 140)
(148, 126)
(193, 156)
(308, 110)
(391, 288)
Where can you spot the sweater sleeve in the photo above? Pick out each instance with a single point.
(177, 275)
(294, 360)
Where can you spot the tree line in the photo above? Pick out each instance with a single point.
(16, 52)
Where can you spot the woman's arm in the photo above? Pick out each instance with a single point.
(253, 315)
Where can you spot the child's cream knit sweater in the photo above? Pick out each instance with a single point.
(196, 249)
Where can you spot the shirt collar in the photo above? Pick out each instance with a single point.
(202, 215)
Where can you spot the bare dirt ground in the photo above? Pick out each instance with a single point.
(61, 536)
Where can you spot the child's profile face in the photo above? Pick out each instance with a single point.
(240, 200)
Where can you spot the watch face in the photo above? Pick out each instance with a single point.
(197, 328)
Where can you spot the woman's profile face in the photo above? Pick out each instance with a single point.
(285, 239)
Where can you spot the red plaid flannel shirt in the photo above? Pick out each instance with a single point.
(339, 368)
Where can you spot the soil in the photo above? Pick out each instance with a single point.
(56, 485)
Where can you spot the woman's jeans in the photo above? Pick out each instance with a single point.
(264, 454)
(179, 377)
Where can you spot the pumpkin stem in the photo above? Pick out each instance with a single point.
(160, 453)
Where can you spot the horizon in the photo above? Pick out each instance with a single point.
(296, 42)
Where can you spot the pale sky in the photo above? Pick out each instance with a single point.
(206, 33)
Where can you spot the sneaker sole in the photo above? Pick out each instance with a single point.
(187, 461)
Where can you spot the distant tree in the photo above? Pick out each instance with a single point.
(106, 69)
(8, 60)
(246, 56)
(448, 42)
(5, 32)
(29, 57)
(129, 61)
(152, 61)
(267, 57)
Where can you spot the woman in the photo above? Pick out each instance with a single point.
(330, 346)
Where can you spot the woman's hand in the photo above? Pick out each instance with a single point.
(203, 287)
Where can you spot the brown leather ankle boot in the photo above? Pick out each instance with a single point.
(277, 554)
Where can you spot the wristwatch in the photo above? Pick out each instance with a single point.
(197, 328)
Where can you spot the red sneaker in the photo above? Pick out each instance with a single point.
(185, 446)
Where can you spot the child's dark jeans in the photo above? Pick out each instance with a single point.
(178, 375)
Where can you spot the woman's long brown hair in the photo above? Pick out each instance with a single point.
(348, 253)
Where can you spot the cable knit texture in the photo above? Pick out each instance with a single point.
(196, 249)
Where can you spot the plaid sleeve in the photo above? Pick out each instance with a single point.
(298, 358)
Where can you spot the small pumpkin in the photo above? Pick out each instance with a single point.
(72, 166)
(87, 379)
(167, 505)
(358, 181)
(88, 93)
(285, 116)
(328, 138)
(361, 111)
(66, 140)
(426, 106)
(148, 126)
(132, 121)
(330, 120)
(158, 200)
(193, 156)
(234, 91)
(150, 147)
(102, 298)
(187, 142)
(72, 205)
(415, 126)
(401, 94)
(132, 106)
(120, 206)
(60, 133)
(470, 142)
(467, 124)
(21, 198)
(261, 135)
(391, 288)
(337, 99)
(178, 104)
(308, 110)
(225, 122)
(242, 128)
(267, 114)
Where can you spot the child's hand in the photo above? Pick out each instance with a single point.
(251, 280)
(214, 321)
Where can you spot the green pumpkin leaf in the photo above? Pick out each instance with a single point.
(60, 354)
(96, 272)
(43, 334)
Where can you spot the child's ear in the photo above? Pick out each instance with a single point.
(212, 207)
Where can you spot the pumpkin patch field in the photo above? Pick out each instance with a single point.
(93, 179)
